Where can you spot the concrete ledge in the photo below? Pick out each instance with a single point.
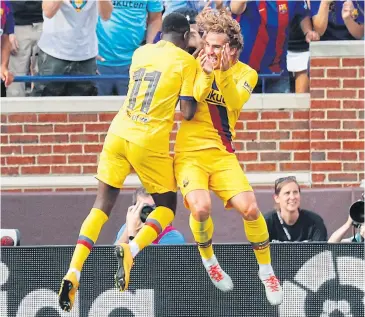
(113, 103)
(132, 181)
(337, 49)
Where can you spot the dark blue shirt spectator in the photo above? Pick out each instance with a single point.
(265, 30)
(338, 20)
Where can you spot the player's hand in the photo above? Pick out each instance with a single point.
(225, 58)
(205, 63)
(347, 9)
(133, 219)
(6, 76)
(312, 36)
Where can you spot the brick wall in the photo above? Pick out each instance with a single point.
(61, 143)
(337, 121)
(325, 140)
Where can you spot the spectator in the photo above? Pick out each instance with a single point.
(195, 39)
(7, 27)
(338, 20)
(196, 5)
(137, 214)
(354, 221)
(131, 22)
(298, 54)
(339, 234)
(28, 28)
(288, 222)
(265, 26)
(68, 45)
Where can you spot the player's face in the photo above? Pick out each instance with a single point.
(289, 197)
(195, 39)
(213, 46)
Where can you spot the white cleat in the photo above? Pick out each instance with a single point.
(273, 290)
(219, 278)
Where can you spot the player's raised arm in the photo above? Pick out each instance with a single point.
(187, 101)
(204, 78)
(236, 95)
(238, 6)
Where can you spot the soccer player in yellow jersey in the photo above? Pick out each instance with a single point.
(205, 159)
(161, 74)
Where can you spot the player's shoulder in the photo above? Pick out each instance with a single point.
(246, 70)
(184, 55)
(142, 49)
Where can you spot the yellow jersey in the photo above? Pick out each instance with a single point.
(160, 75)
(220, 96)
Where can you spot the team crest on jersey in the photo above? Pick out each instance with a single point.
(185, 182)
(283, 8)
(247, 86)
(355, 14)
(78, 4)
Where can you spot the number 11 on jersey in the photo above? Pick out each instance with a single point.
(139, 76)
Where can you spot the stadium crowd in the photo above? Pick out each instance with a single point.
(80, 37)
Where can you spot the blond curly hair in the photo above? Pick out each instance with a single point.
(221, 22)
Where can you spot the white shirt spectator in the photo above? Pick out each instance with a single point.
(71, 33)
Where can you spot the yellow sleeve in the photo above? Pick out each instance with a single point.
(203, 83)
(235, 95)
(188, 78)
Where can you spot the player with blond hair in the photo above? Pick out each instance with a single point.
(205, 158)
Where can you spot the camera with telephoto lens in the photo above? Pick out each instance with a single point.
(146, 210)
(357, 212)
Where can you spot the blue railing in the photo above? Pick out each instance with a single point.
(62, 78)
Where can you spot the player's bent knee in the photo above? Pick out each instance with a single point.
(106, 197)
(200, 210)
(252, 212)
(168, 200)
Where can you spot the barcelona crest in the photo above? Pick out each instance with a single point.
(355, 14)
(283, 8)
(78, 4)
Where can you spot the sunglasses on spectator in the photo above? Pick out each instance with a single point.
(283, 179)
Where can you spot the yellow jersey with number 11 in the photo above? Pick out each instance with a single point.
(160, 75)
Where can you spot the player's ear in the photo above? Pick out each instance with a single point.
(232, 51)
(186, 37)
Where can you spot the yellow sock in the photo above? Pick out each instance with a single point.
(258, 235)
(156, 222)
(203, 234)
(89, 233)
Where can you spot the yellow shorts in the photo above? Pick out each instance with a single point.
(210, 169)
(119, 156)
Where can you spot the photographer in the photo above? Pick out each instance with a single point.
(137, 214)
(354, 221)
